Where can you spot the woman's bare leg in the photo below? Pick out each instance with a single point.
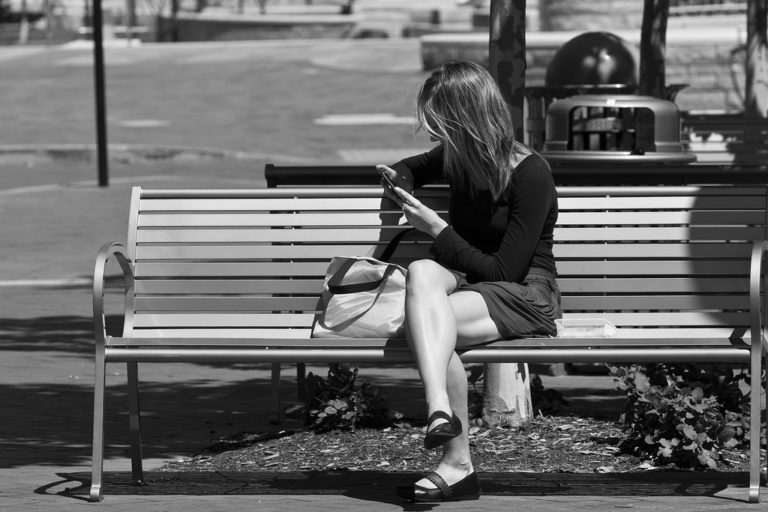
(431, 329)
(437, 322)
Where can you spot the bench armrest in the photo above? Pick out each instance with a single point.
(756, 276)
(106, 252)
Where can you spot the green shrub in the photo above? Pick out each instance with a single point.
(338, 403)
(683, 414)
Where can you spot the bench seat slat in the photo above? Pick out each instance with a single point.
(320, 343)
(403, 355)
(651, 334)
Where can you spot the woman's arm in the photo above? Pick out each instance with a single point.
(420, 169)
(532, 198)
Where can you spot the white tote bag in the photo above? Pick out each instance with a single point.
(362, 298)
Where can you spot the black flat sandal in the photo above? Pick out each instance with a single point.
(466, 489)
(443, 432)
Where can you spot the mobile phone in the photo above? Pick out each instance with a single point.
(388, 181)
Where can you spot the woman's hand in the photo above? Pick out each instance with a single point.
(420, 216)
(388, 179)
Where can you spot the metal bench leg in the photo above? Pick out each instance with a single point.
(276, 416)
(134, 424)
(97, 461)
(754, 424)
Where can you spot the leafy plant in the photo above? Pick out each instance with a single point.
(337, 402)
(682, 414)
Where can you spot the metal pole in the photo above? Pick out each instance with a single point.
(101, 106)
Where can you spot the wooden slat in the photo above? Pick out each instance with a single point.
(265, 341)
(227, 286)
(651, 334)
(263, 219)
(645, 267)
(565, 268)
(666, 334)
(685, 284)
(568, 285)
(414, 250)
(309, 235)
(248, 252)
(224, 333)
(586, 303)
(231, 304)
(220, 269)
(257, 204)
(655, 202)
(672, 318)
(655, 302)
(652, 250)
(704, 217)
(222, 320)
(653, 319)
(563, 234)
(375, 219)
(346, 233)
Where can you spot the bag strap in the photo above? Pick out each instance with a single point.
(336, 288)
(389, 250)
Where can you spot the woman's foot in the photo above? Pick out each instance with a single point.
(441, 428)
(435, 487)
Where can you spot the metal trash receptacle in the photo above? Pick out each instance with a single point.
(607, 128)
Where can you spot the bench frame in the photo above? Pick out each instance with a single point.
(109, 349)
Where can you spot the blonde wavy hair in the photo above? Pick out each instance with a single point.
(461, 106)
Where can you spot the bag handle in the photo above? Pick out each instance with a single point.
(389, 250)
(336, 288)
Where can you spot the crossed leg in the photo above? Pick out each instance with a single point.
(438, 322)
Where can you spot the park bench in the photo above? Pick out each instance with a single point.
(234, 276)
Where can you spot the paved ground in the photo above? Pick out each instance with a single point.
(55, 218)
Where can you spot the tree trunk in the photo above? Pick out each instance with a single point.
(506, 55)
(653, 48)
(506, 390)
(756, 91)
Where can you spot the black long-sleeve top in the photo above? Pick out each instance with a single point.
(493, 240)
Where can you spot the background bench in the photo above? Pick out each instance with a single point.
(235, 275)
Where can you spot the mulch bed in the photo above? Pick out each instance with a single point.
(563, 443)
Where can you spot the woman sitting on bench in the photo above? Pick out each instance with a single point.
(493, 276)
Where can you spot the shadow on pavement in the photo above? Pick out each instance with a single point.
(379, 486)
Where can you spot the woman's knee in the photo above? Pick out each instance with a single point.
(424, 275)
